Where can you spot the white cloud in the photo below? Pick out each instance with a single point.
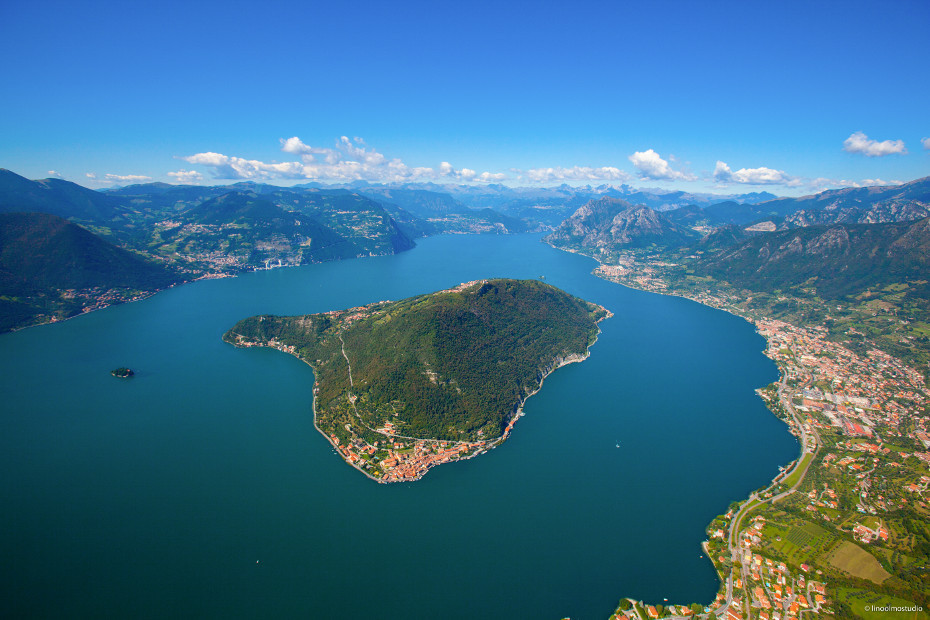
(575, 173)
(925, 142)
(186, 177)
(821, 183)
(652, 166)
(753, 176)
(491, 177)
(54, 174)
(127, 178)
(110, 179)
(226, 167)
(294, 145)
(860, 143)
(877, 182)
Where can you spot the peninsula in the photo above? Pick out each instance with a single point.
(404, 386)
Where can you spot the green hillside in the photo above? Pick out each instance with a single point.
(49, 266)
(838, 261)
(62, 198)
(452, 365)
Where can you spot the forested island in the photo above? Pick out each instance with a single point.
(403, 386)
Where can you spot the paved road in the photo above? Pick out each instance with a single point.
(810, 442)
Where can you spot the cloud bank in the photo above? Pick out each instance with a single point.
(576, 173)
(353, 160)
(186, 177)
(347, 160)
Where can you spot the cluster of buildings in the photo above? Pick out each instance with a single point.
(773, 590)
(400, 459)
(776, 593)
(875, 401)
(412, 464)
(97, 298)
(857, 394)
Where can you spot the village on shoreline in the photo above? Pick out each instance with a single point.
(799, 545)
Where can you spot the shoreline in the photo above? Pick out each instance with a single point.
(206, 276)
(788, 468)
(559, 362)
(85, 311)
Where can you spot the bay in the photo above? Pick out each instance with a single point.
(201, 488)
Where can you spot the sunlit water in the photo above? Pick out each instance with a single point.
(201, 488)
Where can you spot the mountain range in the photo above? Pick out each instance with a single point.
(188, 231)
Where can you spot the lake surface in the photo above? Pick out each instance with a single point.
(201, 488)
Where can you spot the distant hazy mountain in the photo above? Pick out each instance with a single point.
(865, 205)
(552, 204)
(42, 255)
(421, 203)
(608, 224)
(881, 212)
(915, 192)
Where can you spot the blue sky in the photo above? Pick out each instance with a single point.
(703, 96)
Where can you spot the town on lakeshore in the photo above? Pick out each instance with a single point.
(841, 526)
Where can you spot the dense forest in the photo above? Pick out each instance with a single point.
(450, 365)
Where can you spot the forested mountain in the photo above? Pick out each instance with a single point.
(57, 197)
(160, 200)
(240, 208)
(837, 261)
(451, 365)
(46, 261)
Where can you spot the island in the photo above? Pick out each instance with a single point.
(122, 372)
(403, 386)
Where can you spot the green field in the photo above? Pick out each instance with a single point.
(862, 604)
(857, 562)
(791, 480)
(801, 541)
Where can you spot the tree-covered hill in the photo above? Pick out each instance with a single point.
(46, 261)
(453, 365)
(62, 198)
(838, 261)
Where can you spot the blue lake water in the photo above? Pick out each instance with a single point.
(201, 488)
